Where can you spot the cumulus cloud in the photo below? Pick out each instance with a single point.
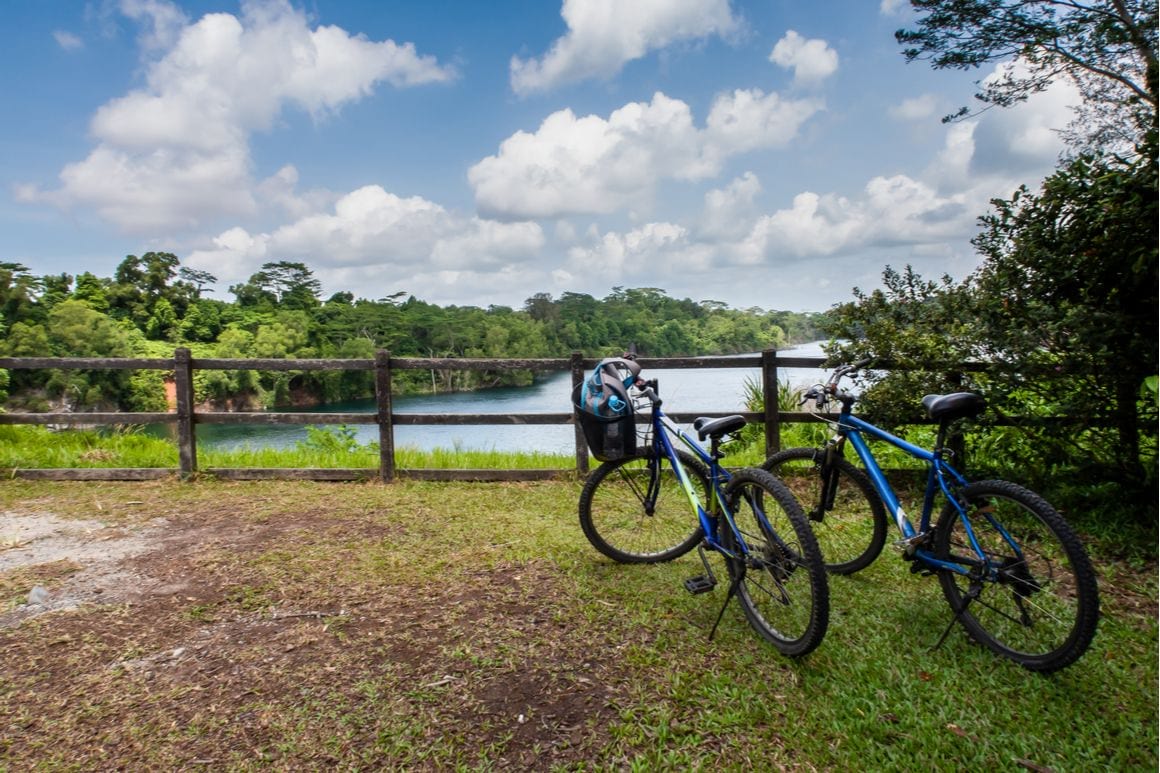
(372, 229)
(729, 211)
(1027, 137)
(653, 251)
(812, 61)
(176, 152)
(891, 7)
(592, 165)
(603, 35)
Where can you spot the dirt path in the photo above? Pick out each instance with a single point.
(173, 640)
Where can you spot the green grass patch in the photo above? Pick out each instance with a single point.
(471, 626)
(36, 447)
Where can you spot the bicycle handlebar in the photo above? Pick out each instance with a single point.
(821, 393)
(649, 390)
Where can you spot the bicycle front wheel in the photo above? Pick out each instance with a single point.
(634, 510)
(852, 532)
(1035, 600)
(776, 566)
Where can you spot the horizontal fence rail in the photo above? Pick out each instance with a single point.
(186, 416)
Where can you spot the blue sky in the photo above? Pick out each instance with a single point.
(771, 153)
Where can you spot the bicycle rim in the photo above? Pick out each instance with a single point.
(1041, 606)
(781, 582)
(852, 532)
(620, 521)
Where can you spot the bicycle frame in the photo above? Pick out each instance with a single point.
(663, 429)
(940, 477)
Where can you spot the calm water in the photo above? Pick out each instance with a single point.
(709, 389)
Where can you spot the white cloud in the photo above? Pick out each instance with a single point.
(176, 152)
(378, 231)
(67, 40)
(590, 165)
(891, 7)
(1024, 138)
(603, 35)
(812, 61)
(161, 22)
(729, 212)
(654, 250)
(916, 108)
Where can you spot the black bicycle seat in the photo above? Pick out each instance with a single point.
(707, 427)
(954, 406)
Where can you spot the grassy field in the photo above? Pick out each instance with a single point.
(470, 626)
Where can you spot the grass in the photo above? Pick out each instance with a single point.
(445, 613)
(35, 447)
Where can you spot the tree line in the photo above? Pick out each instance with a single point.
(152, 303)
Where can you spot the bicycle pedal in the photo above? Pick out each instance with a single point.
(700, 584)
(919, 568)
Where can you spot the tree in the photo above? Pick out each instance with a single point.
(1106, 47)
(1068, 285)
(1070, 280)
(75, 330)
(18, 293)
(91, 291)
(197, 280)
(55, 288)
(292, 283)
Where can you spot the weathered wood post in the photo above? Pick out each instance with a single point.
(577, 365)
(186, 436)
(386, 426)
(769, 395)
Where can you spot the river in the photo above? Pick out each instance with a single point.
(706, 389)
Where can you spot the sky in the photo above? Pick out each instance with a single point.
(768, 153)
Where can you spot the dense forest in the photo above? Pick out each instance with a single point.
(152, 303)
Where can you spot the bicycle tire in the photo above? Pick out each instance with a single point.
(781, 582)
(1043, 609)
(851, 534)
(614, 518)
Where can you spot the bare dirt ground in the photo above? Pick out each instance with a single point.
(169, 641)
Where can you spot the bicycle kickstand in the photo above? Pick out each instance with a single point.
(972, 594)
(732, 592)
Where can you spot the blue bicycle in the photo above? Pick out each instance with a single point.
(1015, 575)
(637, 508)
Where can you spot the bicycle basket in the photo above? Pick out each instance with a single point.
(605, 410)
(608, 437)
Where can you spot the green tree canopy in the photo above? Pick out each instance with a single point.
(1106, 47)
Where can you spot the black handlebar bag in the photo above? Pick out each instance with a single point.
(605, 410)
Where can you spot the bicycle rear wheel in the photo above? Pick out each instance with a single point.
(621, 522)
(1040, 604)
(778, 572)
(851, 533)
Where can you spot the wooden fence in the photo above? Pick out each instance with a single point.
(186, 417)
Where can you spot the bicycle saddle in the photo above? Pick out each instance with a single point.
(954, 406)
(717, 427)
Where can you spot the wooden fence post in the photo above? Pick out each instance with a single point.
(769, 395)
(386, 426)
(577, 364)
(186, 436)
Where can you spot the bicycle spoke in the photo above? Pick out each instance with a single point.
(1032, 591)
